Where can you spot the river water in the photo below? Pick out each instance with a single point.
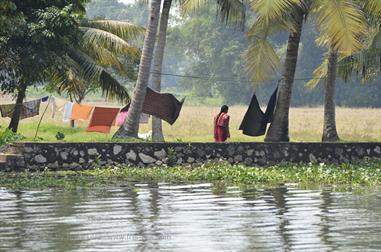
(194, 217)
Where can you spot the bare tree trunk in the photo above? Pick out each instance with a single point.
(130, 127)
(14, 124)
(278, 131)
(329, 128)
(157, 129)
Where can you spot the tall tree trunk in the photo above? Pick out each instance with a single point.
(157, 130)
(278, 131)
(130, 127)
(14, 124)
(72, 122)
(329, 128)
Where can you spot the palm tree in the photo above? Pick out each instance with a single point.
(230, 10)
(329, 126)
(83, 66)
(130, 127)
(157, 130)
(262, 61)
(328, 69)
(366, 61)
(341, 25)
(83, 69)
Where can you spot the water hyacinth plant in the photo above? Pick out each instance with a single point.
(364, 173)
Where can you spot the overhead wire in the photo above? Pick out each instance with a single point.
(224, 80)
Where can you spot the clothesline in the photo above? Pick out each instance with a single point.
(162, 105)
(205, 77)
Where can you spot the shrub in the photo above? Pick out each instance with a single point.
(60, 136)
(8, 136)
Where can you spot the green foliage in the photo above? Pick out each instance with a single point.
(8, 136)
(37, 37)
(171, 155)
(200, 45)
(365, 173)
(60, 136)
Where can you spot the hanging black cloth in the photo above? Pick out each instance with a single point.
(254, 122)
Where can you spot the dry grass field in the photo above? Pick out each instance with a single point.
(195, 124)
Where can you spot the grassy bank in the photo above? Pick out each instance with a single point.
(195, 125)
(366, 173)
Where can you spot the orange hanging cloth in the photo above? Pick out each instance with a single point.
(81, 112)
(102, 120)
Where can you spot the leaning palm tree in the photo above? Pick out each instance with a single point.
(230, 11)
(130, 127)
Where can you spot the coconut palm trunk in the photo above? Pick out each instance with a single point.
(14, 124)
(278, 131)
(329, 128)
(157, 130)
(130, 127)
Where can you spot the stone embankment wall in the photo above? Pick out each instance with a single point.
(63, 156)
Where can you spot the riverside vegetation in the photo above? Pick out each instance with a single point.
(361, 174)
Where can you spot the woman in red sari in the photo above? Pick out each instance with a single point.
(221, 125)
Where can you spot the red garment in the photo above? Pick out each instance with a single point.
(102, 119)
(221, 127)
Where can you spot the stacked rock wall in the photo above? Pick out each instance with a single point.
(65, 156)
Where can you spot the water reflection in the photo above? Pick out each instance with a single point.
(197, 217)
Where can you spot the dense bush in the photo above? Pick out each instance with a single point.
(8, 136)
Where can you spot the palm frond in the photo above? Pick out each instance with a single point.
(342, 24)
(105, 58)
(259, 30)
(262, 61)
(111, 88)
(230, 11)
(122, 29)
(68, 78)
(189, 6)
(93, 37)
(319, 74)
(270, 10)
(365, 63)
(373, 7)
(373, 39)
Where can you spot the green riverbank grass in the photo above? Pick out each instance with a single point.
(366, 173)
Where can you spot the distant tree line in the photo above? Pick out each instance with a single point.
(203, 46)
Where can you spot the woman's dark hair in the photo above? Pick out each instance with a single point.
(224, 109)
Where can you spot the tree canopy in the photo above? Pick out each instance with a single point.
(194, 56)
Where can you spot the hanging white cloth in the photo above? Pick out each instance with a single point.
(68, 108)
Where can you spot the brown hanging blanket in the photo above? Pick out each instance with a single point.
(164, 106)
